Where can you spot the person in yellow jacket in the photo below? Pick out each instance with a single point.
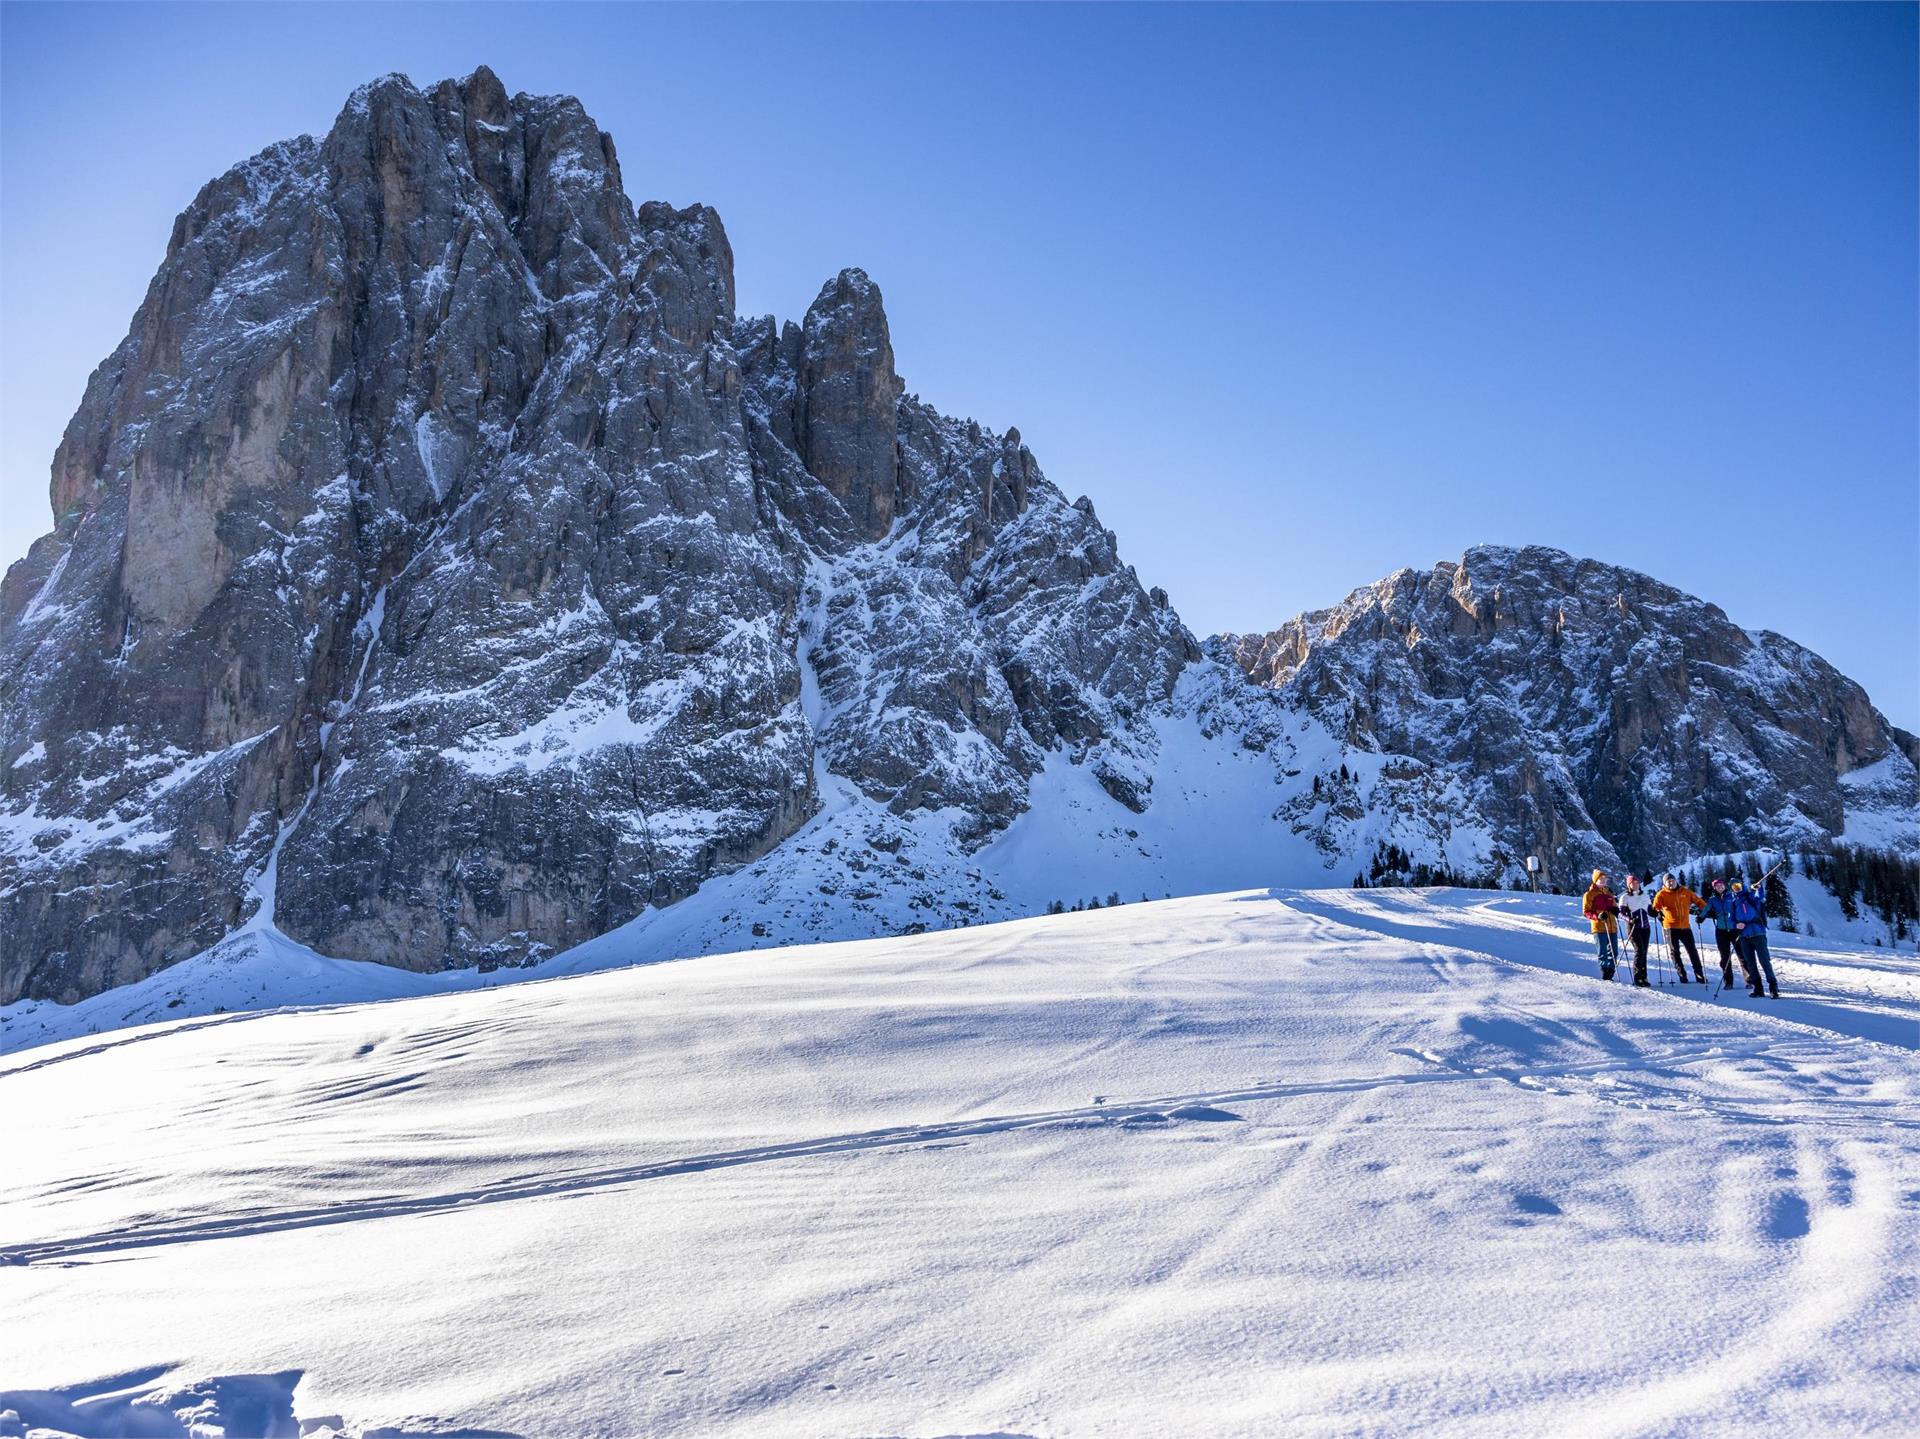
(1675, 904)
(1603, 913)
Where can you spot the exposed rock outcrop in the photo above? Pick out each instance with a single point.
(436, 559)
(1599, 716)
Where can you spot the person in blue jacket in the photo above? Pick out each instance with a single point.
(1750, 936)
(1719, 909)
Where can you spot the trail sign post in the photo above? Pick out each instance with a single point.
(1533, 871)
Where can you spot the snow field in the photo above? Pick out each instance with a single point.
(1318, 1163)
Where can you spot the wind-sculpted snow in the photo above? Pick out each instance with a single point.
(1598, 716)
(1266, 1162)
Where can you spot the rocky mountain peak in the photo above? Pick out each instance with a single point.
(1604, 716)
(444, 574)
(849, 396)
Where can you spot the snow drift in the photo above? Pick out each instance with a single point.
(1332, 1162)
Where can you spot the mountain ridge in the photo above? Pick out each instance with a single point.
(444, 574)
(1743, 736)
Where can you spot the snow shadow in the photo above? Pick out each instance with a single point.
(241, 1406)
(133, 1406)
(1207, 1107)
(1788, 1218)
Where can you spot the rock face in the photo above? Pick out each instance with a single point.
(440, 562)
(847, 400)
(1598, 716)
(444, 574)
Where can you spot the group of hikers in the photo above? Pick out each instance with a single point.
(1738, 912)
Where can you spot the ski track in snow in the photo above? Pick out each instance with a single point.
(1200, 1105)
(1318, 1163)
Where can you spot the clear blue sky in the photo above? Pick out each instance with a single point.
(1298, 295)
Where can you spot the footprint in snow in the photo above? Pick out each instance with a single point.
(1199, 1113)
(1840, 1185)
(1788, 1217)
(1206, 1113)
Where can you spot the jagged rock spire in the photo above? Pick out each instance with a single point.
(848, 400)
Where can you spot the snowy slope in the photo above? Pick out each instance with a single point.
(1269, 1162)
(1224, 813)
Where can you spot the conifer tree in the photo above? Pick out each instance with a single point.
(1779, 902)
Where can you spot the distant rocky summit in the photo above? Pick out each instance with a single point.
(1595, 714)
(443, 573)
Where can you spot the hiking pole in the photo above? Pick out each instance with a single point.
(1760, 891)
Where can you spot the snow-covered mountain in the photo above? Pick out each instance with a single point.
(1598, 716)
(444, 574)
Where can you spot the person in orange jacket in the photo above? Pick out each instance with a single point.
(1675, 904)
(1603, 913)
